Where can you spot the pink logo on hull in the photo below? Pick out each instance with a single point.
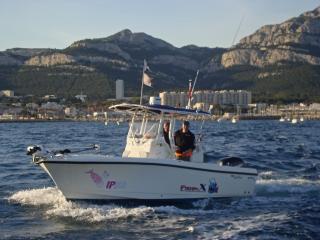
(104, 181)
(95, 177)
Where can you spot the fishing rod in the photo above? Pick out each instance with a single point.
(35, 148)
(78, 150)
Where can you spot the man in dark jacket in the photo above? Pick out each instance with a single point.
(185, 142)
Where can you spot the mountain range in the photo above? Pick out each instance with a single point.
(278, 63)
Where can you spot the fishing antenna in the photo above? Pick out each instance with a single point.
(191, 90)
(194, 83)
(238, 29)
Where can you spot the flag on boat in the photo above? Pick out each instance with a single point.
(146, 78)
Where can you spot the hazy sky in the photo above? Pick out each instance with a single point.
(212, 23)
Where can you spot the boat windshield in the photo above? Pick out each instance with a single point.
(145, 129)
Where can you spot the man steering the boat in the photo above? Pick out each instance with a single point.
(184, 140)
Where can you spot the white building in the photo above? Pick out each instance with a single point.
(7, 93)
(81, 97)
(207, 98)
(50, 97)
(119, 89)
(70, 111)
(314, 106)
(51, 106)
(32, 106)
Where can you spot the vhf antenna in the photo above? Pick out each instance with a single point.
(238, 29)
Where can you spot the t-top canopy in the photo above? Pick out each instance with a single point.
(155, 109)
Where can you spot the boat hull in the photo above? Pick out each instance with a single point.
(113, 178)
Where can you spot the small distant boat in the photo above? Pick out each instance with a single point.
(301, 119)
(294, 121)
(281, 119)
(234, 120)
(106, 118)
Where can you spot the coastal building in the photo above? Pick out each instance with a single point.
(81, 97)
(49, 97)
(206, 98)
(32, 105)
(70, 111)
(50, 110)
(7, 93)
(314, 106)
(119, 89)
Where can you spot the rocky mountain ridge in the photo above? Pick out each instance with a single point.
(259, 61)
(295, 40)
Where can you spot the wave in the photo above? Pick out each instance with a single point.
(234, 229)
(55, 204)
(270, 182)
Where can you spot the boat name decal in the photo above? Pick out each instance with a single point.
(104, 180)
(185, 188)
(115, 184)
(212, 187)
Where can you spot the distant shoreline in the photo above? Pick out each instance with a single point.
(82, 120)
(37, 120)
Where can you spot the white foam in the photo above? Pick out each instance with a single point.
(56, 205)
(202, 203)
(256, 222)
(232, 229)
(267, 174)
(178, 211)
(289, 185)
(36, 197)
(190, 229)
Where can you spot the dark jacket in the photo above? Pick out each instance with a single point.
(184, 141)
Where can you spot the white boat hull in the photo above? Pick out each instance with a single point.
(113, 178)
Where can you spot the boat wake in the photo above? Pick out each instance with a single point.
(236, 228)
(272, 183)
(55, 204)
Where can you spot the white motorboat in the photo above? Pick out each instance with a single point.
(234, 120)
(148, 169)
(282, 119)
(294, 120)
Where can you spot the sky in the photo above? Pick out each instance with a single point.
(210, 23)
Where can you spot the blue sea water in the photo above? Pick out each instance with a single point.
(286, 204)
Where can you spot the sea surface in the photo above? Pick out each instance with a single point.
(286, 204)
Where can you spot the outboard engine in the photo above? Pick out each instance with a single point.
(231, 161)
(33, 149)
